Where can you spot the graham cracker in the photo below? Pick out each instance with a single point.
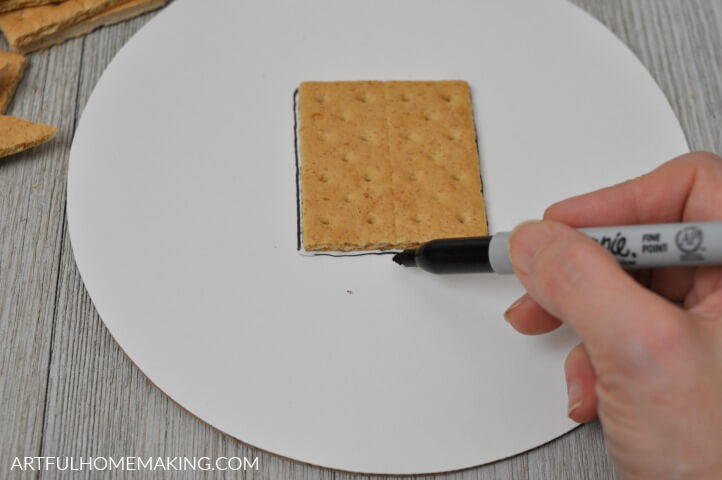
(10, 5)
(387, 165)
(10, 77)
(120, 13)
(30, 25)
(17, 135)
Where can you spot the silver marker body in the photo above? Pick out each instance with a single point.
(640, 246)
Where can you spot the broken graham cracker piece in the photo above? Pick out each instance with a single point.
(30, 25)
(120, 13)
(10, 5)
(17, 135)
(10, 77)
(387, 165)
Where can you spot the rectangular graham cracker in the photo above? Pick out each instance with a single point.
(30, 25)
(387, 165)
(17, 135)
(124, 11)
(10, 76)
(10, 5)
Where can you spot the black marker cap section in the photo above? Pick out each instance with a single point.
(455, 255)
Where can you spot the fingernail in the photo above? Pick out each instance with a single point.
(574, 392)
(507, 314)
(525, 241)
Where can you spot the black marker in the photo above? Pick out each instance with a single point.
(634, 246)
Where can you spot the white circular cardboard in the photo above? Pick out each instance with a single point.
(182, 215)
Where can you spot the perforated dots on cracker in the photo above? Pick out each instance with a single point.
(387, 165)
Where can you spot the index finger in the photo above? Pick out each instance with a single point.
(688, 188)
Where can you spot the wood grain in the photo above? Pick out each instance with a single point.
(32, 204)
(66, 388)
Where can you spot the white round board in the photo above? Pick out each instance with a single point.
(182, 215)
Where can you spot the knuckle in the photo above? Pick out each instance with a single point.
(658, 345)
(563, 268)
(549, 212)
(577, 356)
(704, 160)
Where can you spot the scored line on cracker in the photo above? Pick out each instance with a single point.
(387, 165)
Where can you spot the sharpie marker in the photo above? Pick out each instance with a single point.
(634, 246)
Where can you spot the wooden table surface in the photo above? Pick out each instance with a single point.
(66, 387)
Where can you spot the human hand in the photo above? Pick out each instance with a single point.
(649, 368)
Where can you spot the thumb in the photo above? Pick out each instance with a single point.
(581, 283)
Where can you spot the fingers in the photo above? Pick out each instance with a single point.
(580, 283)
(683, 189)
(705, 299)
(710, 307)
(527, 317)
(581, 385)
(673, 283)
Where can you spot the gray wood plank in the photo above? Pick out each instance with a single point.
(32, 204)
(679, 43)
(54, 346)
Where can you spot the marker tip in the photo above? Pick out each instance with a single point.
(407, 258)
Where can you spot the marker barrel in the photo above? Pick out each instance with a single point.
(641, 246)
